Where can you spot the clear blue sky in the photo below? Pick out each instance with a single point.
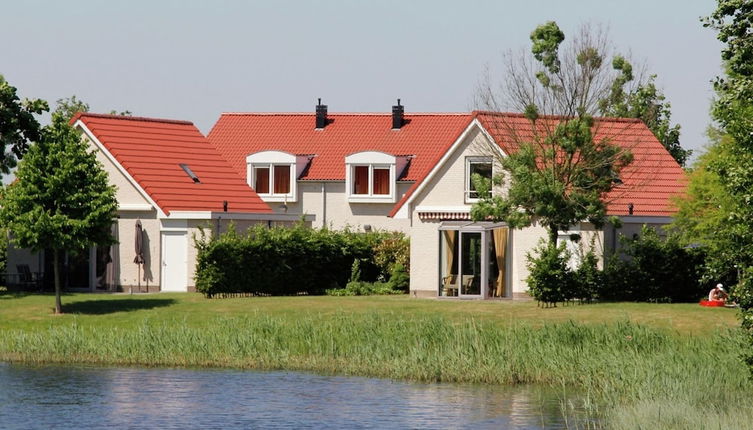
(193, 60)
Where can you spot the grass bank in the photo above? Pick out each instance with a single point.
(642, 365)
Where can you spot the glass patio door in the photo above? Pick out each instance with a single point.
(471, 251)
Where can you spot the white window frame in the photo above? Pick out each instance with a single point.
(270, 159)
(575, 247)
(467, 180)
(372, 160)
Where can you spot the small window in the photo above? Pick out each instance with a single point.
(371, 177)
(361, 180)
(261, 184)
(479, 166)
(272, 174)
(381, 181)
(282, 179)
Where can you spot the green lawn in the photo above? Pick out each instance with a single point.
(35, 311)
(639, 365)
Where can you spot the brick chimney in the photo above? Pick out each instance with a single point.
(397, 116)
(321, 115)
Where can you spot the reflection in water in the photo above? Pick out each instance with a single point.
(101, 397)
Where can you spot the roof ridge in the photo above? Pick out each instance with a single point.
(129, 118)
(522, 115)
(345, 113)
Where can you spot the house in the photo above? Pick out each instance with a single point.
(172, 182)
(411, 173)
(390, 171)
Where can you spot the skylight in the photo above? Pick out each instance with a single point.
(190, 173)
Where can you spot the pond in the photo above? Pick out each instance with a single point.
(107, 397)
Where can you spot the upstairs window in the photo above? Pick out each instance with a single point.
(281, 181)
(276, 183)
(371, 181)
(480, 166)
(361, 180)
(261, 183)
(272, 175)
(371, 177)
(381, 181)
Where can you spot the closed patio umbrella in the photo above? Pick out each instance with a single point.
(139, 248)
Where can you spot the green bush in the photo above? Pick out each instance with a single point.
(550, 280)
(588, 279)
(399, 278)
(391, 251)
(654, 269)
(285, 260)
(363, 288)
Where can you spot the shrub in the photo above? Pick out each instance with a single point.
(362, 288)
(284, 260)
(399, 278)
(588, 279)
(550, 280)
(655, 270)
(390, 251)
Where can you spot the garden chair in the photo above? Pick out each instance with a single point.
(450, 286)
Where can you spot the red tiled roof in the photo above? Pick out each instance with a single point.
(649, 182)
(151, 150)
(426, 136)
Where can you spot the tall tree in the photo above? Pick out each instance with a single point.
(703, 211)
(560, 171)
(70, 106)
(18, 126)
(62, 199)
(733, 112)
(647, 103)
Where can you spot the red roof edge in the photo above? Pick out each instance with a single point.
(127, 118)
(418, 183)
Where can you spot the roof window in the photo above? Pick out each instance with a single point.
(190, 173)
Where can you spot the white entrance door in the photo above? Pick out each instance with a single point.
(174, 264)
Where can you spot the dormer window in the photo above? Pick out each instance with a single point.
(273, 175)
(272, 178)
(371, 180)
(371, 176)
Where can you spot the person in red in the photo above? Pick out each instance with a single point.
(717, 294)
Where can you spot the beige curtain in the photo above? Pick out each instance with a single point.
(500, 245)
(450, 239)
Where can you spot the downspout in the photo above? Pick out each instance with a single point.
(324, 204)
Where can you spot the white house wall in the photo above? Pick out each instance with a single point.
(126, 193)
(446, 188)
(127, 272)
(334, 210)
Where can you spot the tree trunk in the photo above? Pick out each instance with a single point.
(553, 235)
(56, 271)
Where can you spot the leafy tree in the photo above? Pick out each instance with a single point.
(62, 199)
(703, 212)
(18, 126)
(648, 103)
(733, 110)
(70, 106)
(560, 171)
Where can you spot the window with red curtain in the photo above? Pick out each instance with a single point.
(261, 180)
(381, 181)
(282, 179)
(361, 180)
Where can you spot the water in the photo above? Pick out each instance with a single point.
(75, 397)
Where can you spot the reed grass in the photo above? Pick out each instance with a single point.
(630, 375)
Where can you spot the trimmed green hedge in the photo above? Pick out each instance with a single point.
(288, 260)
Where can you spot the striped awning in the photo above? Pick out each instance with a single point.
(442, 216)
